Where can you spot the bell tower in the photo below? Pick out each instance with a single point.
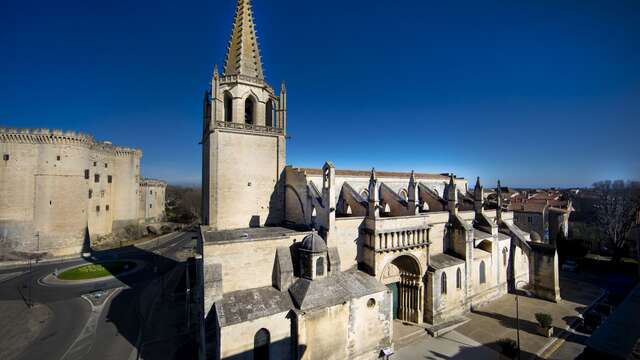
(243, 138)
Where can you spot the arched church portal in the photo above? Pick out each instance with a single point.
(402, 276)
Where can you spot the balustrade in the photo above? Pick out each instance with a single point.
(395, 240)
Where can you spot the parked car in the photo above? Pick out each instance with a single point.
(570, 265)
(592, 319)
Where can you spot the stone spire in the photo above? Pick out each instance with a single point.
(478, 196)
(243, 53)
(451, 195)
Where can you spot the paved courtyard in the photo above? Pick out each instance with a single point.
(497, 320)
(452, 345)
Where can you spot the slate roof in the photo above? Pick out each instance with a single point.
(443, 261)
(246, 305)
(332, 290)
(249, 234)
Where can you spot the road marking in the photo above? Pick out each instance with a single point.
(84, 342)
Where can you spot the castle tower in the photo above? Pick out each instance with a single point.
(243, 139)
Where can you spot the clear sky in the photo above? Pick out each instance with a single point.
(536, 93)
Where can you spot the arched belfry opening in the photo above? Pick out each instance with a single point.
(268, 118)
(228, 107)
(402, 277)
(249, 113)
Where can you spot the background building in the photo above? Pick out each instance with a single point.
(59, 190)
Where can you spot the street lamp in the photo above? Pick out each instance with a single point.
(518, 314)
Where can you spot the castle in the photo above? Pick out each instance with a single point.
(59, 190)
(302, 263)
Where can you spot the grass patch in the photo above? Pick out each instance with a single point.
(94, 271)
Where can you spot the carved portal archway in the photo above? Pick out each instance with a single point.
(403, 276)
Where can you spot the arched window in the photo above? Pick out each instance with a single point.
(268, 118)
(228, 106)
(248, 111)
(458, 279)
(443, 283)
(504, 256)
(320, 266)
(483, 278)
(403, 194)
(261, 345)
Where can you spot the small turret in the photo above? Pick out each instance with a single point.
(451, 195)
(374, 196)
(478, 196)
(499, 202)
(412, 196)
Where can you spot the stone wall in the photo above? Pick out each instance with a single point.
(152, 199)
(245, 178)
(60, 189)
(247, 264)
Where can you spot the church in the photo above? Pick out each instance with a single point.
(318, 263)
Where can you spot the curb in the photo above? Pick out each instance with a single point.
(564, 333)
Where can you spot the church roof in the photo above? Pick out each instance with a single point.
(332, 290)
(443, 261)
(247, 305)
(243, 52)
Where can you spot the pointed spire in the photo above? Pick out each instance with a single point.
(215, 71)
(243, 53)
(373, 174)
(283, 88)
(412, 178)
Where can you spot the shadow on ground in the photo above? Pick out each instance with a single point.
(153, 310)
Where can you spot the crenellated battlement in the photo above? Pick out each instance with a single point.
(61, 137)
(152, 182)
(44, 136)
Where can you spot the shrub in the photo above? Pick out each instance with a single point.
(544, 320)
(508, 347)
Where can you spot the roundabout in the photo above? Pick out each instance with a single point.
(93, 272)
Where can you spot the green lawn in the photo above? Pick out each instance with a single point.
(94, 271)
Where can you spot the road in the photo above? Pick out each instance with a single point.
(78, 329)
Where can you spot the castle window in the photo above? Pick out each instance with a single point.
(248, 111)
(483, 278)
(102, 194)
(150, 206)
(106, 165)
(97, 208)
(320, 266)
(443, 283)
(58, 157)
(86, 174)
(228, 105)
(5, 157)
(90, 193)
(95, 163)
(109, 179)
(150, 192)
(106, 207)
(371, 302)
(96, 178)
(268, 118)
(458, 279)
(261, 342)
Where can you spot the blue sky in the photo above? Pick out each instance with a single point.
(536, 93)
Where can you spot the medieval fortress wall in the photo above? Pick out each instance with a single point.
(59, 189)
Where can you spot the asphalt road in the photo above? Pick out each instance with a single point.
(77, 330)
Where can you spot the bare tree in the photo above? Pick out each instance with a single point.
(616, 208)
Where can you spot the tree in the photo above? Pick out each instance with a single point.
(616, 206)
